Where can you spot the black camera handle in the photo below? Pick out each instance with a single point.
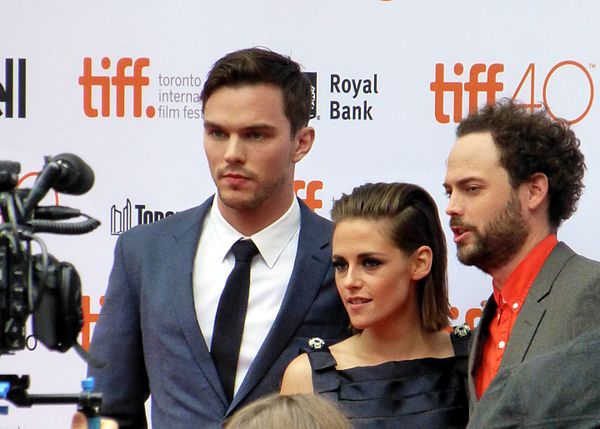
(14, 389)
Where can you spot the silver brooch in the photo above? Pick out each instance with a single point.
(462, 330)
(316, 343)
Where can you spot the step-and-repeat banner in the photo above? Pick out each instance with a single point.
(117, 83)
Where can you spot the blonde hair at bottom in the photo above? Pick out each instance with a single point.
(297, 411)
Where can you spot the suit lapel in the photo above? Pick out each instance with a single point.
(313, 256)
(186, 235)
(479, 337)
(533, 311)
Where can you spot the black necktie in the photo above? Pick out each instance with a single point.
(231, 315)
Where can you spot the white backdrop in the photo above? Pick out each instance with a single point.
(428, 58)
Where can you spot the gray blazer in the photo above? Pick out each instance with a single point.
(563, 303)
(148, 334)
(557, 389)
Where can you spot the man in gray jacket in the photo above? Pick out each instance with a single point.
(513, 177)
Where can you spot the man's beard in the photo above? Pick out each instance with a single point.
(503, 236)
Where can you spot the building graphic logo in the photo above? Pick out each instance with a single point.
(122, 219)
(312, 78)
(13, 88)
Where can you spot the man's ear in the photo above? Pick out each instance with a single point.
(537, 190)
(422, 259)
(304, 139)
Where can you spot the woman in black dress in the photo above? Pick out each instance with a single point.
(402, 368)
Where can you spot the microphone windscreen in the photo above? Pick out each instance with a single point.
(76, 176)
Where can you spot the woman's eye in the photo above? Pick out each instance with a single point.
(371, 263)
(339, 265)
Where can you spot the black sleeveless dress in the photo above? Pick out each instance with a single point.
(421, 393)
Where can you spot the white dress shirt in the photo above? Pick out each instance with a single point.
(269, 277)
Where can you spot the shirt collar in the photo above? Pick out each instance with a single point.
(270, 241)
(515, 289)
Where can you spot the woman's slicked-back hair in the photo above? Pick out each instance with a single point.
(414, 221)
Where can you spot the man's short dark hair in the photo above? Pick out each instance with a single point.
(255, 66)
(533, 142)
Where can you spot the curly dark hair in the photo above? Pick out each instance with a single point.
(532, 142)
(258, 65)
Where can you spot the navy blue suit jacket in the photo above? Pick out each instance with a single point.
(148, 334)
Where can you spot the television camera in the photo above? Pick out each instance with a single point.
(38, 284)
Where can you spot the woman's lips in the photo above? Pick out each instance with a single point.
(357, 302)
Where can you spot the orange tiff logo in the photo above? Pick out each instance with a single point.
(128, 74)
(481, 80)
(310, 193)
(89, 319)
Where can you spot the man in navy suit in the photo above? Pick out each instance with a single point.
(513, 176)
(155, 330)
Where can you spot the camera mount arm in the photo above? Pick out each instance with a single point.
(13, 388)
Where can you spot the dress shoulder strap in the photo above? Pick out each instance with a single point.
(321, 360)
(322, 364)
(461, 340)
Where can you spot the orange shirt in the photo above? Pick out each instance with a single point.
(510, 300)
